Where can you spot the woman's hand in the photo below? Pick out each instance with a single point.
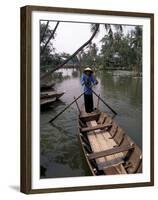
(96, 82)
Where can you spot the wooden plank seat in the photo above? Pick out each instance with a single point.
(89, 116)
(47, 101)
(110, 163)
(47, 93)
(112, 170)
(109, 152)
(100, 126)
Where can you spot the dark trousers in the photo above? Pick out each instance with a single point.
(88, 101)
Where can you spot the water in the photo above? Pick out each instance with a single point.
(61, 154)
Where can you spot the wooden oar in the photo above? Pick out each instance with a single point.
(76, 100)
(68, 105)
(105, 103)
(66, 108)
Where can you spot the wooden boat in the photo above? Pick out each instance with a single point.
(50, 94)
(107, 148)
(47, 100)
(48, 86)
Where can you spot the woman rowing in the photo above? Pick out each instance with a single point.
(88, 80)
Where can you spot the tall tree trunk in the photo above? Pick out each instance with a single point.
(44, 31)
(73, 55)
(51, 36)
(79, 60)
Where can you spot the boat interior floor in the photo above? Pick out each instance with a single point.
(107, 141)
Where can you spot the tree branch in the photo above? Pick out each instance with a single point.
(51, 36)
(44, 31)
(73, 55)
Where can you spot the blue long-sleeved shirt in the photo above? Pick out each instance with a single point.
(87, 82)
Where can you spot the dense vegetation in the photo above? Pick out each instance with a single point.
(118, 50)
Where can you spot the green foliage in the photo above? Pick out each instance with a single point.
(122, 51)
(118, 50)
(89, 56)
(136, 45)
(48, 57)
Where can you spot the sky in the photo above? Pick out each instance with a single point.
(70, 36)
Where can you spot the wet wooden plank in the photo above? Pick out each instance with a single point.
(111, 170)
(51, 94)
(109, 163)
(94, 143)
(48, 93)
(47, 101)
(103, 142)
(117, 156)
(89, 116)
(109, 152)
(100, 126)
(95, 147)
(106, 144)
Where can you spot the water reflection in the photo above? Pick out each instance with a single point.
(61, 154)
(122, 87)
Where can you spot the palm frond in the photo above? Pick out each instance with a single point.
(118, 27)
(107, 27)
(93, 27)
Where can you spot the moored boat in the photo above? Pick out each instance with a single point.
(47, 86)
(51, 94)
(107, 148)
(47, 99)
(47, 102)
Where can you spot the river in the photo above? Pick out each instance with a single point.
(60, 151)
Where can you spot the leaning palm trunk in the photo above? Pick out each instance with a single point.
(73, 55)
(51, 36)
(44, 32)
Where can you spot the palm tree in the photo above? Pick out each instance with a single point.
(95, 28)
(136, 45)
(43, 31)
(46, 46)
(50, 37)
(80, 57)
(109, 29)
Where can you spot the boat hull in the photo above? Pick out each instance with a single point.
(48, 100)
(117, 153)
